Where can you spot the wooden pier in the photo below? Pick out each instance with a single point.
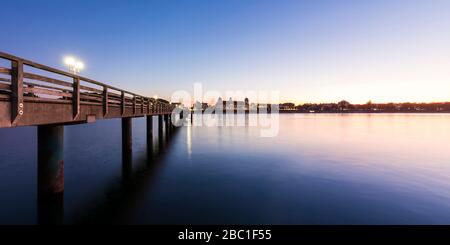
(32, 94)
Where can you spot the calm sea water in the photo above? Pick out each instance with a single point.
(320, 169)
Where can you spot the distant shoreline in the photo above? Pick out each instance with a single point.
(361, 112)
(336, 112)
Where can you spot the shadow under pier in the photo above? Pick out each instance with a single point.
(138, 173)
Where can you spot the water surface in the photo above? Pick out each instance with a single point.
(320, 169)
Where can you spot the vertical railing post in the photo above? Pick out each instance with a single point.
(134, 104)
(105, 101)
(123, 103)
(76, 98)
(17, 91)
(150, 106)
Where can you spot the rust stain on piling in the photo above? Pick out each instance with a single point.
(58, 185)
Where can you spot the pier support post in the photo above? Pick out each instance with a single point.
(169, 124)
(166, 122)
(126, 135)
(149, 130)
(50, 196)
(149, 135)
(182, 116)
(160, 130)
(50, 159)
(160, 125)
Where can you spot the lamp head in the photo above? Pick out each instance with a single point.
(69, 61)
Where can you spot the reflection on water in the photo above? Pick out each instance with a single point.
(320, 169)
(189, 140)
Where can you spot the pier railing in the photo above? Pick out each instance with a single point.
(24, 84)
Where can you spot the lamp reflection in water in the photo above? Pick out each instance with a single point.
(189, 140)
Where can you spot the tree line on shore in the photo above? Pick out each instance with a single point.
(345, 106)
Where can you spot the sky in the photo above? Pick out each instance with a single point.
(308, 51)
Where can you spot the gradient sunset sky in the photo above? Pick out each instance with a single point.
(310, 51)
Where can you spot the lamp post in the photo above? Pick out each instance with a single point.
(74, 65)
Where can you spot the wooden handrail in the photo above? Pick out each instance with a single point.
(64, 73)
(26, 86)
